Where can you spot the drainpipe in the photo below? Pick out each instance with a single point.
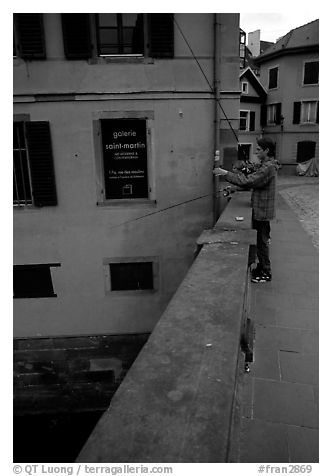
(217, 162)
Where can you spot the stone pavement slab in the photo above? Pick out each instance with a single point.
(279, 399)
(303, 444)
(263, 441)
(296, 367)
(284, 402)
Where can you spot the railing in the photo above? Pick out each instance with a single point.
(176, 403)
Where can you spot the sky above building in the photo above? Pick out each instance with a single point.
(275, 25)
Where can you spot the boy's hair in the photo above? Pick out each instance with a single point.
(267, 143)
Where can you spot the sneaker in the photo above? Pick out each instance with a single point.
(256, 271)
(263, 277)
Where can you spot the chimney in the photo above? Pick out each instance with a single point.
(254, 41)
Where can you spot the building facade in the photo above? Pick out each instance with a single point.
(253, 97)
(114, 127)
(289, 71)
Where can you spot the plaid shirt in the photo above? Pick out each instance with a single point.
(263, 183)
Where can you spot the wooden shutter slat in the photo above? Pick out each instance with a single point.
(263, 115)
(252, 121)
(317, 114)
(297, 112)
(76, 35)
(41, 163)
(161, 35)
(278, 113)
(30, 35)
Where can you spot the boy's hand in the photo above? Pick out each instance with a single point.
(219, 171)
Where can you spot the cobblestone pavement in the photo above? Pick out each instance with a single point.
(302, 195)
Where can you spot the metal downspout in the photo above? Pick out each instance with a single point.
(216, 84)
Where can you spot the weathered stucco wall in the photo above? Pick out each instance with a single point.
(77, 232)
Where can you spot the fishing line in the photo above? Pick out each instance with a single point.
(206, 79)
(164, 209)
(228, 121)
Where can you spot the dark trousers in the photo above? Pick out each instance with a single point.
(263, 244)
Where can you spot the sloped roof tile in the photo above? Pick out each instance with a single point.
(301, 37)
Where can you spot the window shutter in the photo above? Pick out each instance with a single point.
(161, 35)
(76, 35)
(252, 121)
(278, 113)
(297, 113)
(30, 35)
(41, 163)
(317, 115)
(263, 115)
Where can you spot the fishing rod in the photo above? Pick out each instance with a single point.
(225, 192)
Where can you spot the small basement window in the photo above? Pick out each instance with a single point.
(131, 274)
(33, 281)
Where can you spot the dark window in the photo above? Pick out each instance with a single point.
(131, 276)
(124, 146)
(33, 281)
(33, 174)
(120, 33)
(244, 124)
(311, 72)
(273, 78)
(242, 49)
(305, 150)
(244, 152)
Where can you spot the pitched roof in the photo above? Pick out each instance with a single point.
(254, 81)
(302, 38)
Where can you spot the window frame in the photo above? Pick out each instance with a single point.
(303, 73)
(247, 111)
(245, 83)
(270, 107)
(96, 48)
(107, 262)
(309, 101)
(20, 204)
(148, 116)
(270, 69)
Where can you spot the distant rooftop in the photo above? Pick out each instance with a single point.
(303, 37)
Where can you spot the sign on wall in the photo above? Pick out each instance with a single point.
(125, 158)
